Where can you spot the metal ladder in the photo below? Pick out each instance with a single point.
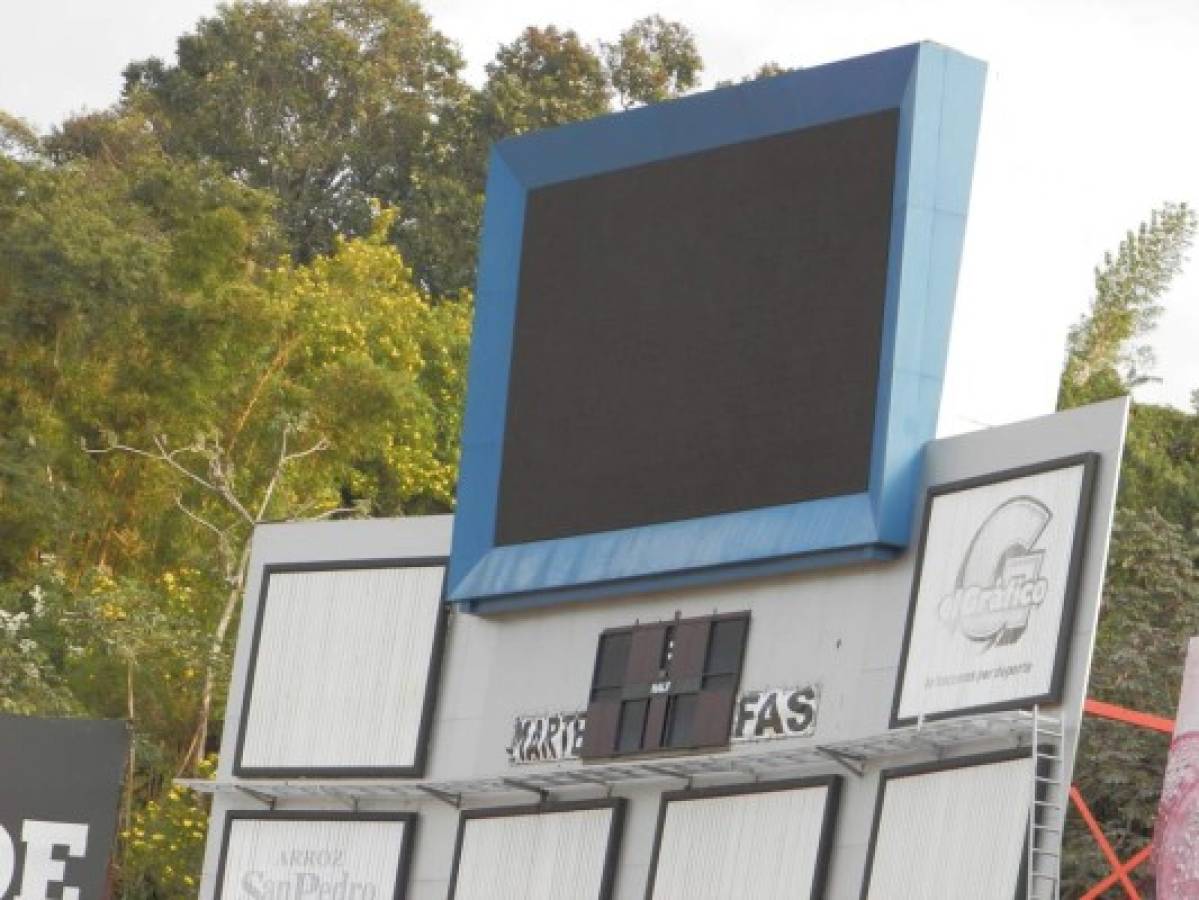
(1047, 811)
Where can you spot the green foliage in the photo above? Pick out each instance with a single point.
(1104, 356)
(149, 317)
(1151, 594)
(543, 78)
(1161, 464)
(327, 104)
(1150, 610)
(653, 60)
(165, 841)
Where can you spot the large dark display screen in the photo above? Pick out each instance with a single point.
(699, 335)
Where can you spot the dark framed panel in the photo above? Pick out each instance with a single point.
(791, 245)
(315, 870)
(828, 819)
(59, 771)
(668, 685)
(415, 767)
(616, 806)
(888, 776)
(994, 618)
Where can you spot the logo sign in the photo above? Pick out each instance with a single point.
(776, 713)
(60, 782)
(994, 591)
(340, 856)
(1000, 585)
(547, 738)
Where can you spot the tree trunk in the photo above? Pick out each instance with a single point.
(195, 747)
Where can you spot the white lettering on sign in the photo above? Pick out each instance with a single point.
(41, 839)
(776, 713)
(547, 738)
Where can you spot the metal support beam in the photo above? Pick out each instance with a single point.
(687, 777)
(266, 799)
(454, 800)
(852, 765)
(542, 793)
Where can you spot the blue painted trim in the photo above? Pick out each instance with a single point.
(490, 355)
(845, 556)
(938, 93)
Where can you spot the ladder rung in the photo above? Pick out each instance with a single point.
(1046, 828)
(1047, 780)
(1037, 850)
(1046, 875)
(1047, 804)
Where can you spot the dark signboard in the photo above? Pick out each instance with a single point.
(60, 782)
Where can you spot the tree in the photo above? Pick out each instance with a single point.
(148, 316)
(326, 104)
(653, 60)
(1103, 355)
(1150, 609)
(545, 77)
(1151, 593)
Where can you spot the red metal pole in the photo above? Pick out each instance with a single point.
(1104, 847)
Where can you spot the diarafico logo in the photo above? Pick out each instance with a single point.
(999, 584)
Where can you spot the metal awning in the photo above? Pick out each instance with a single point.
(783, 758)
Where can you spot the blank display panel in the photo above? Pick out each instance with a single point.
(534, 855)
(756, 845)
(699, 335)
(306, 855)
(958, 832)
(341, 669)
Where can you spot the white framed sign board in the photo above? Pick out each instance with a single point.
(538, 852)
(770, 839)
(343, 669)
(363, 856)
(951, 829)
(994, 590)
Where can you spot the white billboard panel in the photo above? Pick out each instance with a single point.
(311, 854)
(993, 595)
(745, 843)
(342, 671)
(531, 853)
(951, 830)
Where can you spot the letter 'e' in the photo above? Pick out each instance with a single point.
(41, 868)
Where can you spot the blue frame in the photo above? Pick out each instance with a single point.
(938, 93)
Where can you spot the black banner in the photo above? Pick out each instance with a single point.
(60, 783)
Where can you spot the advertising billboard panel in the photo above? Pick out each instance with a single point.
(342, 669)
(745, 842)
(538, 853)
(951, 829)
(994, 591)
(60, 782)
(351, 856)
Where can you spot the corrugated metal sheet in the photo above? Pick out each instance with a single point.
(534, 857)
(311, 858)
(953, 834)
(342, 667)
(752, 846)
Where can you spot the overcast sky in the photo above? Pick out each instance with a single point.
(1089, 123)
